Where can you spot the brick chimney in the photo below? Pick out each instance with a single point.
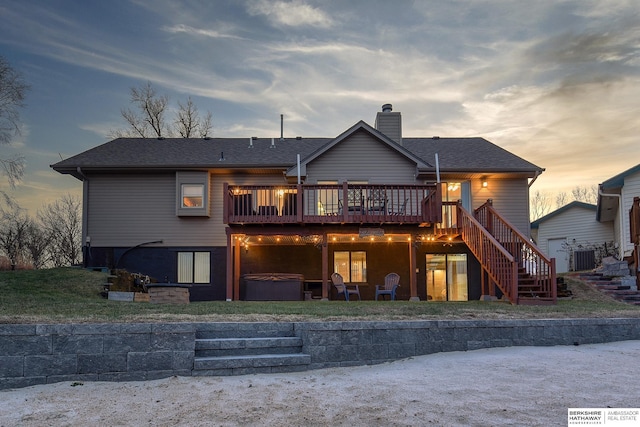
(390, 123)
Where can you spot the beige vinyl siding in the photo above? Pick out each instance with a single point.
(630, 190)
(362, 158)
(126, 210)
(578, 225)
(510, 198)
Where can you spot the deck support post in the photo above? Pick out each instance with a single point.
(236, 271)
(413, 278)
(325, 268)
(229, 283)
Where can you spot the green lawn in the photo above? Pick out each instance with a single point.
(73, 295)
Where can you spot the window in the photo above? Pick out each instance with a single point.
(192, 195)
(351, 265)
(447, 277)
(194, 267)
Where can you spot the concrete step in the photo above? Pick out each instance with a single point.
(215, 347)
(244, 330)
(250, 364)
(613, 287)
(248, 348)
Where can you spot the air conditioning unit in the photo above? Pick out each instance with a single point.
(584, 260)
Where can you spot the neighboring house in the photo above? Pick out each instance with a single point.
(573, 237)
(207, 212)
(615, 198)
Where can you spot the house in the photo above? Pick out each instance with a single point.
(573, 237)
(615, 200)
(449, 215)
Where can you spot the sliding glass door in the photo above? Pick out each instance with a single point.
(447, 277)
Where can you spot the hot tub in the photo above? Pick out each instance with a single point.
(273, 287)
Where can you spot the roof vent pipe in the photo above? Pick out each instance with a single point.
(387, 108)
(273, 143)
(281, 127)
(221, 159)
(250, 142)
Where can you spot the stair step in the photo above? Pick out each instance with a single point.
(613, 287)
(211, 347)
(535, 301)
(244, 330)
(251, 362)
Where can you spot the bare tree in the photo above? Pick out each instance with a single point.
(148, 118)
(585, 194)
(561, 199)
(539, 205)
(13, 90)
(62, 222)
(188, 122)
(36, 245)
(14, 223)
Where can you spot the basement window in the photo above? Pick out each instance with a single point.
(194, 267)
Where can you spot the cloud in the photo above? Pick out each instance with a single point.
(186, 29)
(291, 14)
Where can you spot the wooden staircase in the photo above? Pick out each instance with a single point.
(248, 348)
(509, 260)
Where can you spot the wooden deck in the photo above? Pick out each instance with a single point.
(332, 204)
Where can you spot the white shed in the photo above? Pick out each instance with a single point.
(573, 237)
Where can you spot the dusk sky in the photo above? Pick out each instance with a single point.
(555, 82)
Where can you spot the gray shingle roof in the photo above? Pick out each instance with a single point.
(468, 155)
(455, 154)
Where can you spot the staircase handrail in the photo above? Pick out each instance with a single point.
(499, 264)
(528, 256)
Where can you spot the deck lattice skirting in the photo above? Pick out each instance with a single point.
(42, 354)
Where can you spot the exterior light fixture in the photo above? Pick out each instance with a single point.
(485, 184)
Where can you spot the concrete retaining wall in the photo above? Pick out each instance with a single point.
(40, 354)
(333, 344)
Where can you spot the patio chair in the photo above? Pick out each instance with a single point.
(377, 201)
(401, 210)
(391, 283)
(355, 200)
(343, 288)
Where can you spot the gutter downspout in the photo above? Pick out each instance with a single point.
(534, 178)
(621, 219)
(86, 241)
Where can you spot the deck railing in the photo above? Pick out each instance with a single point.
(539, 268)
(332, 203)
(499, 264)
(634, 221)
